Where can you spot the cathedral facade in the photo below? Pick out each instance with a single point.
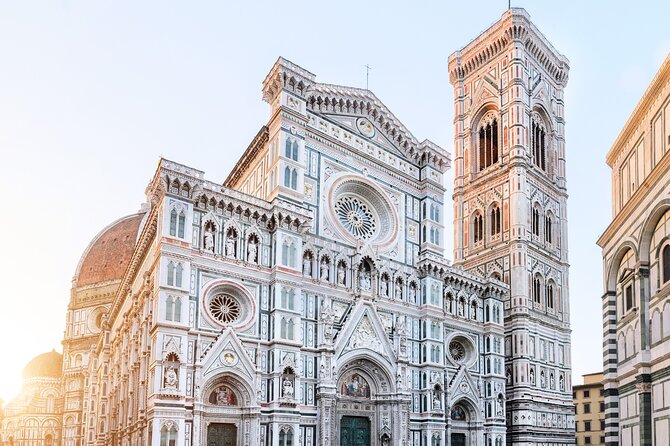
(307, 299)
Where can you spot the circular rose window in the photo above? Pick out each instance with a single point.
(361, 211)
(225, 308)
(356, 216)
(457, 351)
(228, 304)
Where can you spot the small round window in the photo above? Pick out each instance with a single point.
(461, 350)
(457, 351)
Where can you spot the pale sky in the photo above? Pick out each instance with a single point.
(93, 93)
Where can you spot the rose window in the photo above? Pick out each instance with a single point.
(224, 308)
(356, 217)
(457, 351)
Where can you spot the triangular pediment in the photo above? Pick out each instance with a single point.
(485, 90)
(364, 331)
(463, 385)
(227, 354)
(376, 137)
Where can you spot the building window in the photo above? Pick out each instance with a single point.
(602, 425)
(628, 296)
(177, 223)
(488, 143)
(587, 426)
(537, 290)
(287, 299)
(602, 407)
(291, 151)
(587, 394)
(587, 408)
(288, 253)
(550, 298)
(286, 329)
(168, 436)
(495, 220)
(548, 236)
(535, 223)
(174, 274)
(286, 437)
(539, 145)
(173, 309)
(587, 440)
(665, 260)
(478, 228)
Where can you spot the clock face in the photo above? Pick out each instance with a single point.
(365, 127)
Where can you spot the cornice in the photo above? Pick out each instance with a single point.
(248, 157)
(515, 25)
(660, 81)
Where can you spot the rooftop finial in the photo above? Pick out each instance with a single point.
(367, 76)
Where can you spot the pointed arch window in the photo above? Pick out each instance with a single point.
(550, 295)
(173, 309)
(177, 223)
(488, 142)
(535, 222)
(548, 229)
(170, 274)
(287, 177)
(538, 143)
(478, 228)
(495, 220)
(168, 436)
(537, 290)
(178, 275)
(286, 437)
(294, 179)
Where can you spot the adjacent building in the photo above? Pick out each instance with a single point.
(510, 212)
(34, 417)
(589, 399)
(636, 275)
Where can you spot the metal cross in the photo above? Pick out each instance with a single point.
(367, 76)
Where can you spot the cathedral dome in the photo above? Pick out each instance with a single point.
(46, 365)
(108, 254)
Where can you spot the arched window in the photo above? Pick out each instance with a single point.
(488, 143)
(287, 151)
(535, 222)
(286, 437)
(178, 274)
(295, 151)
(550, 295)
(495, 220)
(173, 222)
(537, 290)
(168, 436)
(181, 225)
(548, 236)
(287, 176)
(478, 228)
(294, 179)
(170, 274)
(665, 260)
(539, 145)
(173, 309)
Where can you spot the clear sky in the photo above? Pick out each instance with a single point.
(93, 93)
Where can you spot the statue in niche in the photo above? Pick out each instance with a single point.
(552, 383)
(561, 383)
(437, 405)
(543, 381)
(383, 287)
(461, 307)
(230, 245)
(412, 293)
(398, 290)
(324, 269)
(287, 387)
(171, 379)
(532, 376)
(365, 280)
(209, 240)
(499, 410)
(307, 266)
(341, 274)
(252, 251)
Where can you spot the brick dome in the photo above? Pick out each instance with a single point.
(46, 365)
(108, 254)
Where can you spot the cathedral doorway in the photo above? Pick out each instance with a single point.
(457, 439)
(221, 434)
(355, 431)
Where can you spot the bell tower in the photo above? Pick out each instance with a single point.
(510, 216)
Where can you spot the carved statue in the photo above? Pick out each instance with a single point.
(209, 240)
(437, 405)
(287, 388)
(552, 383)
(365, 280)
(398, 290)
(412, 294)
(252, 251)
(561, 383)
(307, 266)
(543, 381)
(230, 245)
(461, 307)
(171, 379)
(324, 269)
(532, 376)
(383, 287)
(341, 274)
